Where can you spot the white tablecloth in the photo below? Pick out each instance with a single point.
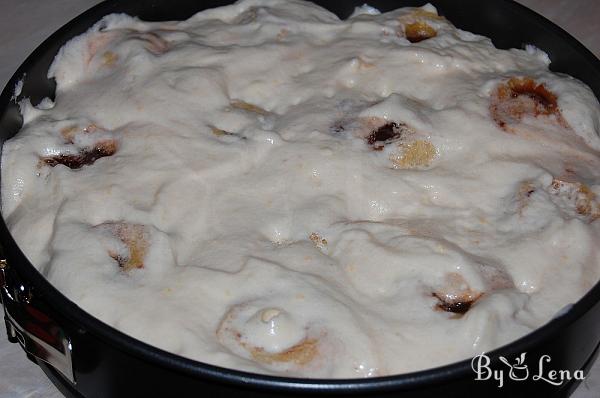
(25, 23)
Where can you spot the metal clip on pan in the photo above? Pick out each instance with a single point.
(27, 324)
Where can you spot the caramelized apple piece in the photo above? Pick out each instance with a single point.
(318, 240)
(248, 107)
(456, 297)
(385, 134)
(84, 157)
(68, 133)
(109, 58)
(135, 237)
(415, 25)
(416, 154)
(457, 305)
(300, 354)
(233, 328)
(419, 31)
(584, 200)
(520, 97)
(220, 132)
(78, 156)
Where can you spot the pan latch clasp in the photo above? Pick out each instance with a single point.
(28, 324)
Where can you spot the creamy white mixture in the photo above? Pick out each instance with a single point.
(268, 188)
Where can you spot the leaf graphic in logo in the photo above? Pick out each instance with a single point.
(505, 361)
(521, 359)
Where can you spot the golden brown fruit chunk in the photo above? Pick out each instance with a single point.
(230, 333)
(300, 354)
(458, 305)
(135, 237)
(385, 134)
(418, 31)
(414, 154)
(318, 240)
(220, 132)
(109, 58)
(520, 97)
(245, 106)
(456, 297)
(584, 200)
(84, 157)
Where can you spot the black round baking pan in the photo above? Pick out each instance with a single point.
(87, 358)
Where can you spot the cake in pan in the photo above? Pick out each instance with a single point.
(269, 188)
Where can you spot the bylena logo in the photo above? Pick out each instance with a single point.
(519, 371)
